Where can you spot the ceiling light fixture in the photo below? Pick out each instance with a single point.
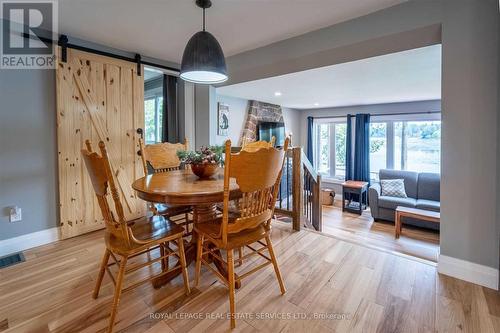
(316, 104)
(203, 59)
(278, 93)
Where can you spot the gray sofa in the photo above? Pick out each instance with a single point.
(422, 189)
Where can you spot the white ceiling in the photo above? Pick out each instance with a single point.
(161, 28)
(413, 75)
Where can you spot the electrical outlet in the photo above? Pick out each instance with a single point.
(15, 214)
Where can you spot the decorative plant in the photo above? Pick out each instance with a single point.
(206, 155)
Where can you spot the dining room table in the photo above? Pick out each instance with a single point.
(183, 188)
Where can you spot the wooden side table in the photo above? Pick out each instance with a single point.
(358, 188)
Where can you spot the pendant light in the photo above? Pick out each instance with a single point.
(203, 59)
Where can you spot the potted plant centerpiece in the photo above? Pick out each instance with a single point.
(205, 162)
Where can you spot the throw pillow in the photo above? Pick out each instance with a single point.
(393, 188)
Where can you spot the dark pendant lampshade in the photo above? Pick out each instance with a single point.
(203, 59)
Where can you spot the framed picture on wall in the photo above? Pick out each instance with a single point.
(223, 119)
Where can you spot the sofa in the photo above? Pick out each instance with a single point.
(422, 189)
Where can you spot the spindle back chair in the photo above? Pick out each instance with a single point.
(258, 174)
(256, 145)
(128, 239)
(162, 157)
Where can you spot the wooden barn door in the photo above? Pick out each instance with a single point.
(98, 98)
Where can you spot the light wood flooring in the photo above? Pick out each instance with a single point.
(350, 288)
(418, 242)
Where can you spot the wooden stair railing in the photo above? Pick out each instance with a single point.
(300, 190)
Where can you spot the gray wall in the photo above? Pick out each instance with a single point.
(293, 124)
(237, 115)
(468, 30)
(186, 111)
(205, 115)
(238, 108)
(28, 159)
(470, 131)
(28, 149)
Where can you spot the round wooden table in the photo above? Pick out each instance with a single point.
(183, 188)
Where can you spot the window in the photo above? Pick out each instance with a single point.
(340, 149)
(323, 164)
(153, 105)
(330, 149)
(378, 148)
(405, 144)
(153, 119)
(417, 145)
(402, 142)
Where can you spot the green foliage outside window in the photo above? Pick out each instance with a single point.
(153, 119)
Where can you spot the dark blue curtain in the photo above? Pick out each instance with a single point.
(348, 149)
(310, 129)
(170, 110)
(362, 148)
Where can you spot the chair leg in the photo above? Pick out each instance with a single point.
(102, 270)
(240, 254)
(230, 271)
(164, 261)
(118, 292)
(275, 264)
(199, 251)
(182, 256)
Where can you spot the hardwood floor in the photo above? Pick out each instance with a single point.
(417, 242)
(332, 285)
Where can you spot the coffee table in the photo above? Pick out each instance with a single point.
(420, 214)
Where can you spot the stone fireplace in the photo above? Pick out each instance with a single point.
(257, 112)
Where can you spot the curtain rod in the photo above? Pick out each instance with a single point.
(382, 114)
(63, 42)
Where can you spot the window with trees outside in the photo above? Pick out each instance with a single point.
(402, 142)
(153, 119)
(412, 144)
(330, 152)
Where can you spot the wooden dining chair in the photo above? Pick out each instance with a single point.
(162, 157)
(249, 146)
(258, 175)
(256, 145)
(128, 239)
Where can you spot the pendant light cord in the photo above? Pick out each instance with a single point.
(203, 19)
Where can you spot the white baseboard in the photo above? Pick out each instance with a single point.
(468, 271)
(28, 241)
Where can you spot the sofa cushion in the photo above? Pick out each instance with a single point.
(394, 202)
(429, 186)
(410, 179)
(428, 205)
(393, 188)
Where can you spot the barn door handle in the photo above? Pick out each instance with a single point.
(140, 131)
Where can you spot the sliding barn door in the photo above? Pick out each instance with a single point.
(98, 98)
